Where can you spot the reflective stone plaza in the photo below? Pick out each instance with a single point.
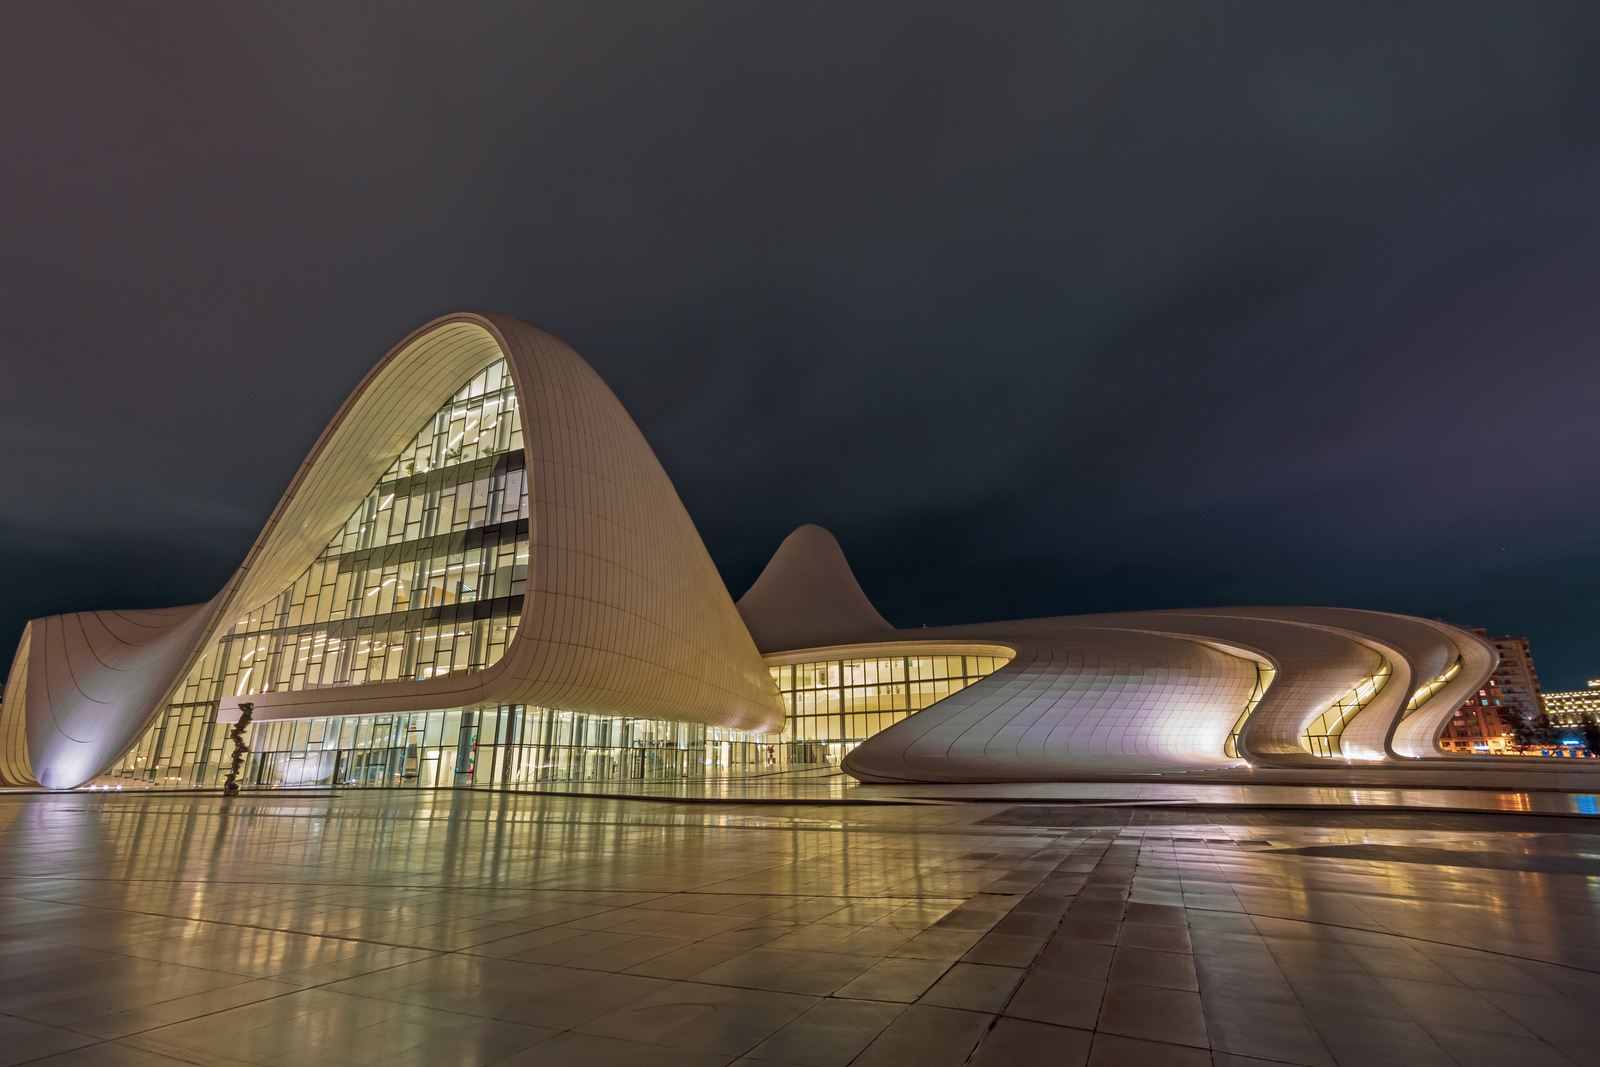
(806, 922)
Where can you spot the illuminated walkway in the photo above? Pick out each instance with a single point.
(473, 928)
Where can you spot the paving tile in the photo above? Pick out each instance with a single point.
(1342, 995)
(1061, 1000)
(1084, 910)
(830, 1034)
(1005, 949)
(1251, 978)
(692, 936)
(1264, 1029)
(902, 980)
(1097, 931)
(1479, 970)
(1585, 1056)
(1402, 963)
(1451, 1006)
(1157, 915)
(665, 1010)
(177, 1009)
(1082, 959)
(739, 1023)
(479, 1044)
(1164, 936)
(1153, 967)
(1560, 1022)
(1109, 1050)
(1234, 947)
(935, 944)
(561, 1011)
(1169, 1016)
(926, 1036)
(628, 955)
(1379, 1041)
(1038, 925)
(687, 960)
(872, 940)
(973, 987)
(1018, 1042)
(38, 1041)
(814, 973)
(108, 1054)
(588, 1050)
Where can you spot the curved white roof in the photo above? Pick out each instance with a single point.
(625, 613)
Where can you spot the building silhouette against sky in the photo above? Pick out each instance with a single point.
(481, 575)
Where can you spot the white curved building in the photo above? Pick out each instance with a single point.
(482, 576)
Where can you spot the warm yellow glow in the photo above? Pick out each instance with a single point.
(839, 702)
(1426, 693)
(1264, 676)
(1322, 737)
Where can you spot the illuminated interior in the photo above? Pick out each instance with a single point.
(1426, 692)
(1322, 737)
(833, 705)
(424, 579)
(838, 703)
(446, 526)
(1264, 676)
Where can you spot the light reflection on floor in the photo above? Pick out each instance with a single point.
(478, 928)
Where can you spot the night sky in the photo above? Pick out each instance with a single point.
(1041, 308)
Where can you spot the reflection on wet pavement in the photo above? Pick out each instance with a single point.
(1071, 925)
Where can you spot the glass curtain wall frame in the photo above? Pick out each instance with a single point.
(526, 746)
(508, 747)
(1427, 692)
(1264, 675)
(425, 578)
(1323, 735)
(833, 705)
(514, 747)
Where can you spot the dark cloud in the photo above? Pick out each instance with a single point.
(1043, 308)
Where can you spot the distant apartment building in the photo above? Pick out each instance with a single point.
(1482, 725)
(1514, 675)
(1486, 723)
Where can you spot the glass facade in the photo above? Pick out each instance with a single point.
(834, 705)
(514, 746)
(1426, 692)
(1322, 737)
(505, 748)
(424, 579)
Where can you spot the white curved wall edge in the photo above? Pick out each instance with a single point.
(1074, 697)
(1027, 722)
(89, 679)
(1430, 654)
(883, 649)
(625, 613)
(1417, 735)
(1315, 666)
